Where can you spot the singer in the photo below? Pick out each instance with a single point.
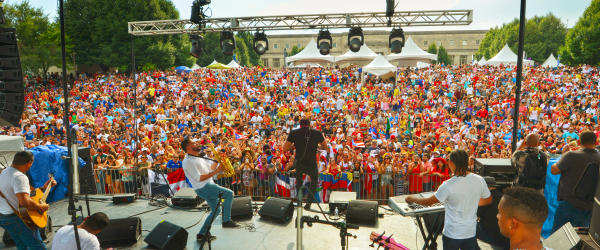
(200, 172)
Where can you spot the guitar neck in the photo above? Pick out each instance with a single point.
(47, 192)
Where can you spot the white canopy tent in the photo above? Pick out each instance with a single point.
(421, 65)
(310, 54)
(482, 61)
(551, 62)
(196, 66)
(9, 146)
(233, 64)
(362, 57)
(379, 66)
(411, 54)
(475, 62)
(507, 57)
(304, 65)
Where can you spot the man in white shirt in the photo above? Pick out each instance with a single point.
(15, 189)
(200, 173)
(461, 195)
(64, 239)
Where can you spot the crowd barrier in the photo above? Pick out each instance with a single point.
(259, 185)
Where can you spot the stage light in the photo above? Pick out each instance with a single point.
(261, 43)
(324, 42)
(355, 39)
(196, 18)
(197, 45)
(227, 42)
(396, 40)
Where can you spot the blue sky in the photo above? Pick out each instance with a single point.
(486, 13)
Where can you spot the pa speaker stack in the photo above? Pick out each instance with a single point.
(12, 100)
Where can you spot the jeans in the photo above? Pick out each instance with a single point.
(463, 244)
(565, 212)
(314, 180)
(24, 238)
(210, 193)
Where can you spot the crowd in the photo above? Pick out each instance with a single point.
(396, 131)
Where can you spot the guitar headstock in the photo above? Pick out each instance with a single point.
(51, 176)
(385, 241)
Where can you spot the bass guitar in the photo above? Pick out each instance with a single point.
(387, 242)
(32, 217)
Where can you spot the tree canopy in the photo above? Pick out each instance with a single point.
(432, 49)
(443, 56)
(543, 36)
(583, 41)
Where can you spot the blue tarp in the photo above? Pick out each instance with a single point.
(183, 68)
(550, 192)
(48, 159)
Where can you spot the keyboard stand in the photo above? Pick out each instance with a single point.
(434, 223)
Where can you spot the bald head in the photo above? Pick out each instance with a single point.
(532, 140)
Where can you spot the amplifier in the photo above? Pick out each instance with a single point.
(501, 169)
(340, 200)
(123, 199)
(186, 198)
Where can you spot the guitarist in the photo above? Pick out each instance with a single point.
(15, 189)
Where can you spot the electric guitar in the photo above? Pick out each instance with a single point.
(387, 242)
(32, 217)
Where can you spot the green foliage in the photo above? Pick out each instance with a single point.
(38, 38)
(582, 44)
(432, 49)
(443, 57)
(99, 32)
(244, 50)
(295, 50)
(543, 36)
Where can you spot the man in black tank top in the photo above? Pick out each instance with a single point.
(306, 141)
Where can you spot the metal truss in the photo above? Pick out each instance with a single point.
(303, 22)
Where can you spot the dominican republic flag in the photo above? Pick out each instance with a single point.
(358, 144)
(239, 136)
(175, 179)
(282, 185)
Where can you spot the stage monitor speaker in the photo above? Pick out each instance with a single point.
(186, 198)
(277, 209)
(362, 212)
(241, 208)
(12, 100)
(167, 236)
(121, 232)
(595, 221)
(564, 238)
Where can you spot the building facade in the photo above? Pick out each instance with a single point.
(461, 45)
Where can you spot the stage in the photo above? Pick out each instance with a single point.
(254, 234)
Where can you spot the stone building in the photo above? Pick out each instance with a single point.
(461, 45)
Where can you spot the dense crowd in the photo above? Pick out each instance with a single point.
(389, 128)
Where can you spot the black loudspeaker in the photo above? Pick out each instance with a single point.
(86, 173)
(44, 232)
(277, 209)
(241, 208)
(595, 221)
(121, 232)
(12, 100)
(362, 212)
(564, 238)
(167, 236)
(186, 198)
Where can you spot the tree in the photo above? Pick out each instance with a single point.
(295, 50)
(99, 32)
(582, 44)
(38, 39)
(433, 50)
(443, 57)
(543, 36)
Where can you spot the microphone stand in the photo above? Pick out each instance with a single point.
(207, 235)
(343, 226)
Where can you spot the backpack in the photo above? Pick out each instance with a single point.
(534, 172)
(585, 189)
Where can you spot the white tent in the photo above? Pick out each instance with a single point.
(411, 54)
(506, 56)
(363, 56)
(482, 61)
(474, 62)
(196, 66)
(551, 62)
(310, 54)
(379, 66)
(422, 65)
(304, 65)
(233, 64)
(9, 146)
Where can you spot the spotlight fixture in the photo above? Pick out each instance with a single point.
(396, 40)
(197, 11)
(324, 42)
(227, 42)
(355, 39)
(197, 45)
(261, 43)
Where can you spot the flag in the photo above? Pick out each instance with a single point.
(175, 179)
(239, 136)
(358, 144)
(282, 185)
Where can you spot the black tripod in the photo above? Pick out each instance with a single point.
(207, 236)
(343, 226)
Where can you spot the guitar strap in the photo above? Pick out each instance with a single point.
(11, 206)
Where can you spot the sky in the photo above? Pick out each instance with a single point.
(486, 13)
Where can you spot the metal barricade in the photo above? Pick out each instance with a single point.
(116, 181)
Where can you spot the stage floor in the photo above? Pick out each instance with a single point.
(255, 233)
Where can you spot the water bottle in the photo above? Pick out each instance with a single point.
(337, 212)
